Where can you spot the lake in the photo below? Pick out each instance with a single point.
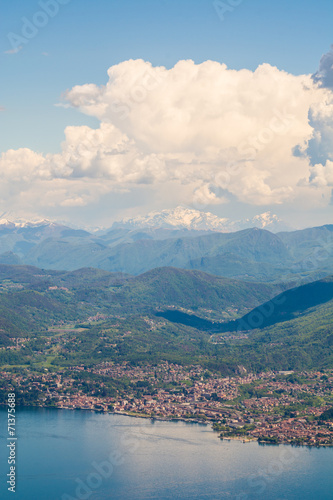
(66, 455)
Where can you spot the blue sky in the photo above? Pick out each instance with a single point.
(85, 38)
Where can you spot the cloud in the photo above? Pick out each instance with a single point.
(319, 148)
(193, 120)
(202, 108)
(324, 75)
(22, 165)
(220, 134)
(322, 175)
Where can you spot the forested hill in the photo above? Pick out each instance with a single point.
(90, 316)
(286, 306)
(32, 298)
(290, 304)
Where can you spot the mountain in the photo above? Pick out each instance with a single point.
(266, 220)
(177, 218)
(5, 223)
(190, 219)
(251, 254)
(18, 238)
(10, 258)
(309, 247)
(217, 253)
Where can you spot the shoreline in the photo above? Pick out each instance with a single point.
(243, 439)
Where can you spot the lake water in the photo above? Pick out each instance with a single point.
(66, 455)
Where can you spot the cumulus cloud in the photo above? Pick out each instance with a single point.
(255, 136)
(324, 75)
(322, 175)
(319, 148)
(198, 119)
(197, 108)
(21, 165)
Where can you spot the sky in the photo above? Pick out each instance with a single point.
(113, 109)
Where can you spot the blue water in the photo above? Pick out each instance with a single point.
(79, 455)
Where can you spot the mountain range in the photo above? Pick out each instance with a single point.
(252, 254)
(179, 218)
(189, 219)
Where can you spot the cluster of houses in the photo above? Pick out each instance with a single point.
(294, 430)
(266, 406)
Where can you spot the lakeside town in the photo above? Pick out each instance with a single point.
(270, 407)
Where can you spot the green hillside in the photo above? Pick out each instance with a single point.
(293, 330)
(89, 316)
(31, 298)
(303, 342)
(194, 290)
(286, 306)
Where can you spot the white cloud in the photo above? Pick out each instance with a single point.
(196, 119)
(201, 109)
(320, 147)
(321, 175)
(224, 133)
(21, 165)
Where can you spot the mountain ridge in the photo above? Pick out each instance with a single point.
(183, 217)
(250, 254)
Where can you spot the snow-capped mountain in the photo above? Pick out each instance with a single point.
(177, 218)
(22, 223)
(266, 220)
(187, 218)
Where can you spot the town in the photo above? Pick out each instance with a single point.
(271, 407)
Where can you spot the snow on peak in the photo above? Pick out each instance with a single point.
(7, 223)
(187, 218)
(177, 218)
(20, 223)
(266, 220)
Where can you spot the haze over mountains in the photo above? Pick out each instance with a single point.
(183, 238)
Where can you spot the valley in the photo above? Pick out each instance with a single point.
(247, 348)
